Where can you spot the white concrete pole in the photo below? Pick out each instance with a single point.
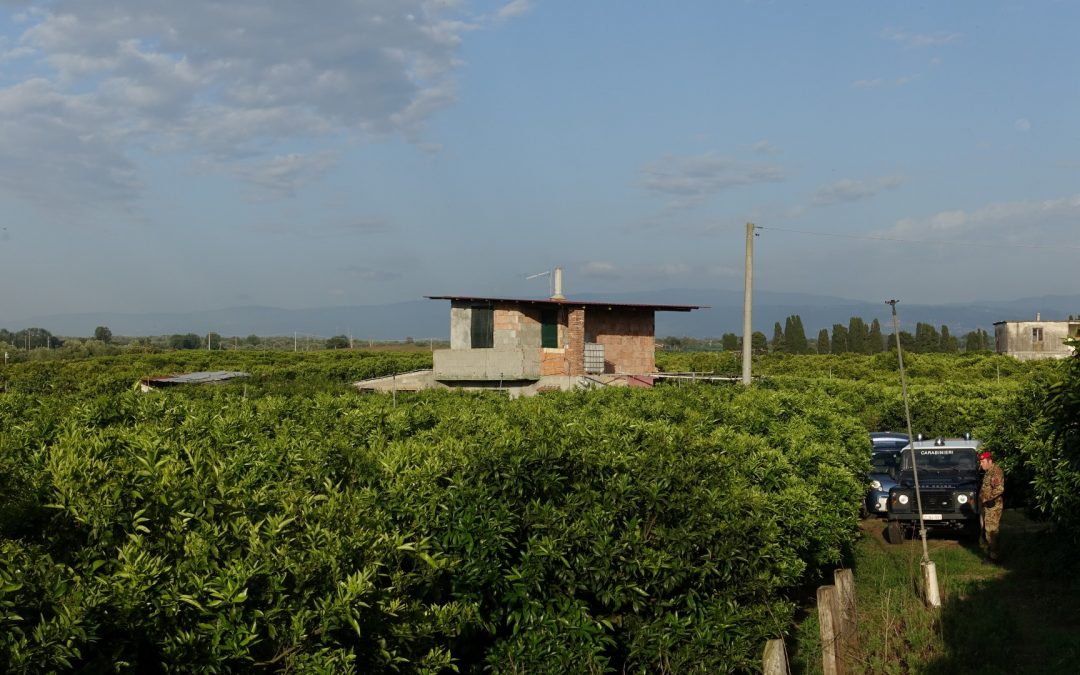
(747, 326)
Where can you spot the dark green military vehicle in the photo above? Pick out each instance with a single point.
(948, 471)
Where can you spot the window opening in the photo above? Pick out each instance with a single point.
(549, 328)
(483, 327)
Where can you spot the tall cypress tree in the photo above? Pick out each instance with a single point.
(795, 336)
(948, 343)
(926, 338)
(973, 341)
(874, 341)
(778, 339)
(823, 341)
(839, 339)
(856, 335)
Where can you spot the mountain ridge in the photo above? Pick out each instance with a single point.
(422, 319)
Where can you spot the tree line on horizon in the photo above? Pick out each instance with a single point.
(857, 337)
(40, 344)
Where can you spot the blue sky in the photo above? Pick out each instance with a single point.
(176, 156)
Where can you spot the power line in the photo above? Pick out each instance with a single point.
(950, 242)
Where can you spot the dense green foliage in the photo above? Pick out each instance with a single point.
(1026, 412)
(284, 522)
(283, 372)
(1039, 443)
(259, 525)
(1055, 463)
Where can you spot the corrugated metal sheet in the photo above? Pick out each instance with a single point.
(570, 303)
(201, 377)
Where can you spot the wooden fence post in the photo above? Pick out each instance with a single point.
(849, 637)
(829, 622)
(774, 662)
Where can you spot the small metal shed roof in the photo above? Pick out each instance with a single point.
(201, 377)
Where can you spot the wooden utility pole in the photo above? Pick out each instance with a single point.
(747, 326)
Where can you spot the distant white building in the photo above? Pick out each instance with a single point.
(1038, 339)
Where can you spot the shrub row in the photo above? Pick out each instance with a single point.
(614, 531)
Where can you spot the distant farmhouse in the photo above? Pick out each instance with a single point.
(526, 346)
(1038, 339)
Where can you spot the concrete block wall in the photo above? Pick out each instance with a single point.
(516, 327)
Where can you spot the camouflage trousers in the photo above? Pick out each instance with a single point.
(991, 524)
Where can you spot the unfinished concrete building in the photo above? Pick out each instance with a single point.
(525, 346)
(1038, 339)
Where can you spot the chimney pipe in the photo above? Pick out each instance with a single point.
(558, 285)
(1038, 315)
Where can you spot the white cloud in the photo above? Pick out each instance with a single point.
(763, 148)
(692, 178)
(848, 190)
(513, 9)
(8, 54)
(921, 40)
(285, 173)
(1010, 220)
(51, 141)
(663, 272)
(599, 270)
(1023, 125)
(227, 81)
(867, 84)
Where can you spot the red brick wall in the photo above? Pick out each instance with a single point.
(575, 341)
(628, 336)
(553, 362)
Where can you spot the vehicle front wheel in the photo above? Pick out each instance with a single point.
(894, 532)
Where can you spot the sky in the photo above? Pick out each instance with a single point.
(158, 155)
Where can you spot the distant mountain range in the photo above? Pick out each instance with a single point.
(431, 318)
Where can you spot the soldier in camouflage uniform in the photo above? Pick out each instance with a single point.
(991, 496)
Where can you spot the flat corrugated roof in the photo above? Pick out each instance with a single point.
(200, 377)
(572, 303)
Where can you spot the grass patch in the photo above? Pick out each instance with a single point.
(1022, 616)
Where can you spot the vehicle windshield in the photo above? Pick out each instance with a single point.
(882, 462)
(943, 459)
(888, 442)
